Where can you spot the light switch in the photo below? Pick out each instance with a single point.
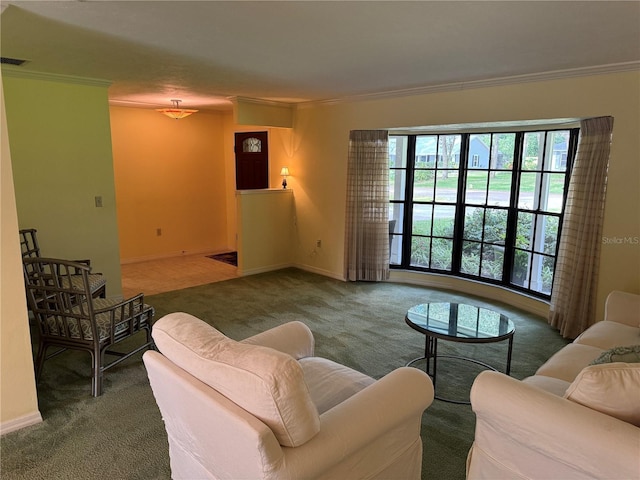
(99, 201)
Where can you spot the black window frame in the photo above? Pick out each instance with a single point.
(407, 203)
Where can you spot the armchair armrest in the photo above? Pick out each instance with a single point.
(294, 338)
(132, 311)
(526, 432)
(384, 417)
(623, 307)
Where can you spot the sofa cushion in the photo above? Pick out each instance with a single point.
(548, 384)
(629, 354)
(567, 363)
(606, 335)
(610, 388)
(268, 384)
(331, 383)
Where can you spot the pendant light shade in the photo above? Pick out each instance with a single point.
(176, 112)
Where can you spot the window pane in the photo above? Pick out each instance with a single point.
(541, 273)
(397, 184)
(443, 220)
(526, 195)
(449, 151)
(524, 230)
(426, 150)
(398, 151)
(479, 145)
(558, 151)
(441, 253)
(396, 226)
(422, 219)
(396, 214)
(548, 266)
(447, 186)
(420, 254)
(505, 145)
(473, 219)
(499, 189)
(470, 258)
(549, 227)
(533, 151)
(476, 191)
(395, 249)
(495, 226)
(520, 272)
(492, 261)
(423, 182)
(552, 192)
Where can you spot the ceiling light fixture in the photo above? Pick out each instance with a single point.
(176, 112)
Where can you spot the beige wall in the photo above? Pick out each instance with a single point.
(61, 156)
(280, 155)
(169, 175)
(18, 399)
(265, 218)
(60, 140)
(321, 140)
(179, 176)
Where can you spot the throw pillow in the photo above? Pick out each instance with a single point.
(610, 388)
(630, 354)
(265, 382)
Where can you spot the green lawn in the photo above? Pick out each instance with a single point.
(501, 181)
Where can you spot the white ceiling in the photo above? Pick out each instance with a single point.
(207, 52)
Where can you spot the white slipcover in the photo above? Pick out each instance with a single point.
(366, 428)
(559, 423)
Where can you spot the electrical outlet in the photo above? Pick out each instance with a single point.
(319, 243)
(158, 231)
(98, 201)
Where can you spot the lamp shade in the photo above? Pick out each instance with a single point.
(176, 112)
(284, 172)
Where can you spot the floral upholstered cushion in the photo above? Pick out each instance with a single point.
(80, 326)
(96, 282)
(630, 354)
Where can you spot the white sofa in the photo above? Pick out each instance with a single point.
(577, 417)
(267, 408)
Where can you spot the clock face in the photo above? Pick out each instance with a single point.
(252, 145)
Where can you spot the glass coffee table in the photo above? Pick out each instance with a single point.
(458, 322)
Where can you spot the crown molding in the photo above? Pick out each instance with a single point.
(492, 82)
(259, 101)
(19, 72)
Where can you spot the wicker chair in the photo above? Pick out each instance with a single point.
(31, 249)
(68, 316)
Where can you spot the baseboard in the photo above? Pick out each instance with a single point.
(20, 422)
(184, 253)
(319, 271)
(267, 268)
(472, 287)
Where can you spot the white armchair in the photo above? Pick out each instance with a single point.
(266, 408)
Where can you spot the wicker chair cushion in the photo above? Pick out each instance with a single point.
(96, 281)
(103, 321)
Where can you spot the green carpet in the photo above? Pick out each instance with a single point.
(120, 435)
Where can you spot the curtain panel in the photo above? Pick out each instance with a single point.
(367, 215)
(573, 296)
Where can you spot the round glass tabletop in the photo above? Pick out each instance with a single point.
(460, 322)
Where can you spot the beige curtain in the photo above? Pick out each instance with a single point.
(573, 296)
(367, 216)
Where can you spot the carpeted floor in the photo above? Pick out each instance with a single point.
(120, 435)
